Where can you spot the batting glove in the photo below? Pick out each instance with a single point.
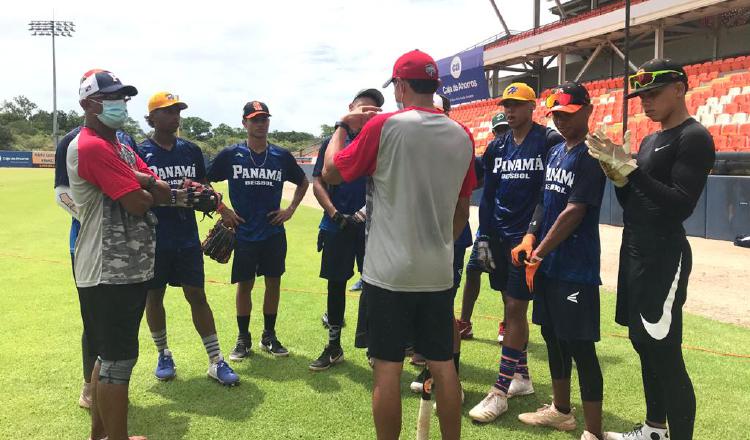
(526, 247)
(484, 254)
(616, 156)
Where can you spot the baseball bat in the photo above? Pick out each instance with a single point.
(425, 409)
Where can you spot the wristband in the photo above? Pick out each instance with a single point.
(343, 125)
(151, 183)
(173, 194)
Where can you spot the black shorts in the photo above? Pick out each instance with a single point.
(340, 251)
(178, 267)
(111, 318)
(261, 258)
(394, 316)
(652, 286)
(570, 309)
(506, 277)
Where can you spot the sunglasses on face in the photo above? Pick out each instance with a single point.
(643, 79)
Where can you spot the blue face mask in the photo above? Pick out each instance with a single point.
(114, 113)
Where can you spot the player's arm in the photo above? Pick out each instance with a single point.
(360, 158)
(488, 191)
(137, 202)
(460, 216)
(159, 189)
(293, 173)
(64, 200)
(567, 222)
(689, 173)
(322, 196)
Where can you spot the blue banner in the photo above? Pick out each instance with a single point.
(462, 77)
(18, 159)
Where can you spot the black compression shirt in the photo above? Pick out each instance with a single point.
(673, 166)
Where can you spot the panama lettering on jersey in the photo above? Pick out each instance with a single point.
(514, 175)
(177, 228)
(573, 176)
(256, 183)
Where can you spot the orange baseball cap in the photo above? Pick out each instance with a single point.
(163, 100)
(519, 92)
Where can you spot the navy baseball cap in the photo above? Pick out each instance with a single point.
(253, 109)
(655, 74)
(373, 94)
(103, 81)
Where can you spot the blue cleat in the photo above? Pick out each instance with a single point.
(221, 372)
(357, 286)
(165, 369)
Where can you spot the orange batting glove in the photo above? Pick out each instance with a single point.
(527, 246)
(532, 265)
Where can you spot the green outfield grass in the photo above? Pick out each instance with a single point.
(40, 367)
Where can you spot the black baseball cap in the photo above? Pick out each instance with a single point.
(253, 109)
(373, 94)
(568, 97)
(654, 74)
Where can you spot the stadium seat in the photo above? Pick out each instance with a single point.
(744, 129)
(739, 118)
(720, 142)
(737, 142)
(708, 120)
(728, 129)
(723, 119)
(715, 130)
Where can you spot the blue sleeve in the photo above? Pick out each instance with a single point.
(126, 139)
(200, 163)
(588, 186)
(318, 168)
(488, 191)
(553, 138)
(479, 169)
(219, 168)
(139, 151)
(61, 153)
(293, 172)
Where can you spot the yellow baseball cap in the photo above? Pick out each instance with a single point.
(165, 99)
(519, 92)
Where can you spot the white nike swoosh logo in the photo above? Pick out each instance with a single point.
(239, 155)
(573, 297)
(660, 329)
(661, 148)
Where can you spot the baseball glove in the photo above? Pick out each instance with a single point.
(201, 197)
(219, 243)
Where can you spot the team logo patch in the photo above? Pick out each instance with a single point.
(257, 106)
(430, 70)
(512, 90)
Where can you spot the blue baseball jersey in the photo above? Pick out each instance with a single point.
(177, 228)
(573, 176)
(256, 183)
(61, 171)
(348, 197)
(514, 175)
(465, 239)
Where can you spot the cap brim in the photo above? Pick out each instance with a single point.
(570, 108)
(516, 99)
(653, 86)
(254, 114)
(372, 93)
(179, 104)
(500, 124)
(387, 83)
(125, 90)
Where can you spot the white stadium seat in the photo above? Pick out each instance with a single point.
(708, 120)
(739, 118)
(712, 100)
(723, 119)
(734, 91)
(702, 110)
(724, 100)
(746, 90)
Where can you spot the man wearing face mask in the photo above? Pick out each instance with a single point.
(418, 161)
(113, 190)
(341, 239)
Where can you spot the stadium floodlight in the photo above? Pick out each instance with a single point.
(52, 28)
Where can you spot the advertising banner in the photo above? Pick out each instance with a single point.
(43, 159)
(462, 77)
(16, 159)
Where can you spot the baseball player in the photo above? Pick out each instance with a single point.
(658, 190)
(566, 289)
(179, 259)
(341, 238)
(256, 171)
(514, 175)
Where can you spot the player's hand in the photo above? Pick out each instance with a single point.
(342, 220)
(359, 216)
(357, 118)
(230, 218)
(526, 246)
(280, 216)
(532, 265)
(484, 254)
(612, 174)
(603, 149)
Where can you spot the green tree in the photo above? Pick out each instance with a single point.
(6, 138)
(224, 130)
(196, 128)
(326, 130)
(20, 107)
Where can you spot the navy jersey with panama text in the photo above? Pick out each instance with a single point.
(347, 197)
(177, 228)
(513, 177)
(61, 171)
(573, 176)
(256, 183)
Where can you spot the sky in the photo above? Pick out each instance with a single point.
(305, 59)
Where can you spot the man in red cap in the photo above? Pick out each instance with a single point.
(417, 160)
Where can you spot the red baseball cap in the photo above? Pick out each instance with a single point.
(414, 65)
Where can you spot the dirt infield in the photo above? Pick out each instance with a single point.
(719, 283)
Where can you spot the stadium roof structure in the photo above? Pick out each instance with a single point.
(588, 32)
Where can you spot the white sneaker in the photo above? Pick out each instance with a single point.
(490, 408)
(520, 386)
(548, 415)
(588, 436)
(84, 401)
(640, 432)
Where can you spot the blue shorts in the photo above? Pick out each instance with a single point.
(262, 258)
(473, 264)
(341, 251)
(178, 267)
(507, 278)
(571, 309)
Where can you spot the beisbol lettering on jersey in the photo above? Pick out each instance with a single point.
(518, 168)
(265, 176)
